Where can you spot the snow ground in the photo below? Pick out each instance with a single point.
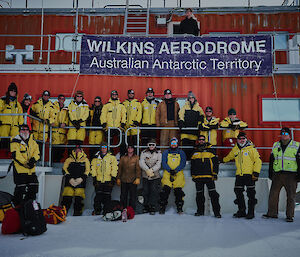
(160, 236)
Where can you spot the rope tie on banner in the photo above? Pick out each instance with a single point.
(74, 88)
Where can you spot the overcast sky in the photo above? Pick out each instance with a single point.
(155, 3)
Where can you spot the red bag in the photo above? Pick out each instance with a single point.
(55, 214)
(11, 223)
(130, 212)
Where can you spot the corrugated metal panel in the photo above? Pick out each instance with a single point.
(221, 93)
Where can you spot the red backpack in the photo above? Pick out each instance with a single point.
(55, 214)
(11, 223)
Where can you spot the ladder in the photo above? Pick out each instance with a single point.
(136, 21)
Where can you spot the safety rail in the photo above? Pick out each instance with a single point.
(138, 146)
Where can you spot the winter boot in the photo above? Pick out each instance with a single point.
(146, 209)
(239, 214)
(251, 205)
(199, 213)
(96, 212)
(179, 208)
(151, 210)
(162, 209)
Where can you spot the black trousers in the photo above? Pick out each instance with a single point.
(27, 187)
(103, 196)
(151, 189)
(239, 187)
(200, 198)
(164, 196)
(128, 190)
(147, 134)
(188, 151)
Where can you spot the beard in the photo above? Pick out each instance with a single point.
(24, 135)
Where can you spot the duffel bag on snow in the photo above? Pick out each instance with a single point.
(11, 223)
(113, 211)
(55, 214)
(32, 219)
(5, 203)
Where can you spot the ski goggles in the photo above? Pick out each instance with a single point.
(284, 133)
(151, 144)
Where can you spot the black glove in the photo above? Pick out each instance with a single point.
(31, 162)
(136, 124)
(215, 177)
(123, 125)
(180, 124)
(172, 174)
(104, 125)
(76, 124)
(0, 122)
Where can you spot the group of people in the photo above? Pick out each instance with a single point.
(129, 114)
(198, 131)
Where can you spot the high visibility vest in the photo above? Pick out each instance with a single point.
(287, 160)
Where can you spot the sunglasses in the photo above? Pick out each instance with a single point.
(173, 143)
(104, 146)
(79, 96)
(24, 129)
(285, 133)
(151, 144)
(97, 101)
(201, 139)
(241, 138)
(208, 111)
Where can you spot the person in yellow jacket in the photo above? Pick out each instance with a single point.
(133, 115)
(232, 126)
(209, 126)
(59, 135)
(44, 110)
(95, 135)
(190, 115)
(284, 171)
(114, 115)
(76, 169)
(25, 154)
(78, 111)
(104, 170)
(173, 163)
(9, 125)
(248, 166)
(149, 106)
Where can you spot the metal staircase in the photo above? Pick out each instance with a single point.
(136, 22)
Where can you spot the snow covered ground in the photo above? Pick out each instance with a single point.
(161, 236)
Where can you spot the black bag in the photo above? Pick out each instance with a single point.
(32, 219)
(113, 211)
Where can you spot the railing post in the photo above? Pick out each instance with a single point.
(44, 146)
(138, 141)
(292, 132)
(49, 50)
(108, 135)
(50, 145)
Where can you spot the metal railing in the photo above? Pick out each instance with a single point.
(120, 133)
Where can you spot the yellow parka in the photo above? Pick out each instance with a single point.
(22, 153)
(232, 129)
(74, 172)
(12, 107)
(209, 130)
(104, 168)
(133, 114)
(148, 111)
(59, 134)
(45, 112)
(78, 112)
(247, 159)
(113, 114)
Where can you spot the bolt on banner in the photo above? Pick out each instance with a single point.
(177, 57)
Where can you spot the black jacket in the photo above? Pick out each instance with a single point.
(189, 26)
(204, 162)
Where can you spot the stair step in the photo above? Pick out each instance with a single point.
(136, 22)
(141, 28)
